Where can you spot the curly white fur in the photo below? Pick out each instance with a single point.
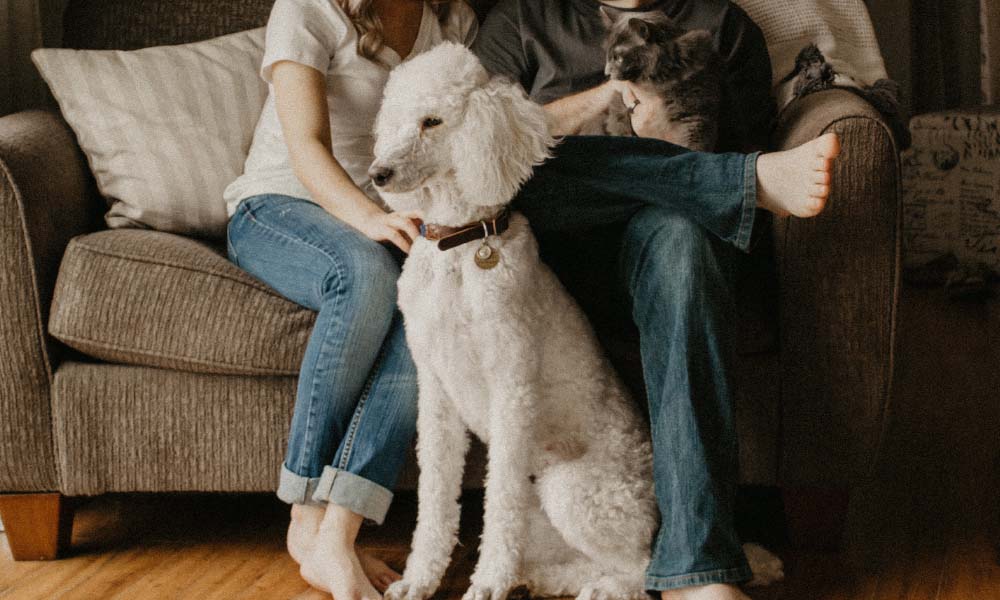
(507, 354)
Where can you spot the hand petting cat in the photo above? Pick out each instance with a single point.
(669, 80)
(645, 107)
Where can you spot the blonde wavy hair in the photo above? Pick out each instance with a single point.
(371, 38)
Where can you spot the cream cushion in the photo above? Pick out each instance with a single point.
(165, 129)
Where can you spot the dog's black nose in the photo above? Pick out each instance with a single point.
(381, 175)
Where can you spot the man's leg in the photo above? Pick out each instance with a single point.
(677, 276)
(594, 181)
(598, 181)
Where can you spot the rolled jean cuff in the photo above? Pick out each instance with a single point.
(297, 489)
(361, 496)
(353, 492)
(735, 575)
(748, 210)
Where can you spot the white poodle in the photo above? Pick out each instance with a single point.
(502, 350)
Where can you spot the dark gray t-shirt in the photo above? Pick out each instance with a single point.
(554, 48)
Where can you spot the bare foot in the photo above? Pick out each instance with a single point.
(302, 530)
(797, 182)
(715, 591)
(337, 569)
(380, 574)
(333, 565)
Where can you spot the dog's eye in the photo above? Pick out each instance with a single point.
(430, 122)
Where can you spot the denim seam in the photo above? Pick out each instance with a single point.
(233, 256)
(345, 456)
(307, 450)
(747, 208)
(634, 279)
(260, 200)
(733, 575)
(307, 447)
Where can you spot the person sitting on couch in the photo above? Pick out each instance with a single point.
(675, 256)
(305, 220)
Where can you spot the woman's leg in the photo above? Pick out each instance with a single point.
(363, 470)
(593, 181)
(321, 263)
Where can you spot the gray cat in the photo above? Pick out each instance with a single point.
(675, 64)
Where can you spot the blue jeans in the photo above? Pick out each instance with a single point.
(355, 407)
(685, 220)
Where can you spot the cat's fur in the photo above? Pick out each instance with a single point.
(679, 66)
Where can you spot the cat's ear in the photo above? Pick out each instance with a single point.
(640, 28)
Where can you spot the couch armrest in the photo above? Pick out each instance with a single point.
(46, 198)
(839, 284)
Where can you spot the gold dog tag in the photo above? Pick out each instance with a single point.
(487, 257)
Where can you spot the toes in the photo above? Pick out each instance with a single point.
(820, 191)
(827, 145)
(815, 206)
(822, 178)
(389, 579)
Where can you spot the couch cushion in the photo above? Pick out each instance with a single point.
(161, 300)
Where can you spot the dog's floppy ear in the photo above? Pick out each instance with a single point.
(503, 135)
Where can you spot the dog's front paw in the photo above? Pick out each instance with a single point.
(406, 589)
(493, 591)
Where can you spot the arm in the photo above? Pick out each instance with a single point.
(300, 97)
(46, 198)
(570, 114)
(499, 47)
(840, 277)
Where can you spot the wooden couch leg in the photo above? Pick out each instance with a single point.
(815, 516)
(38, 525)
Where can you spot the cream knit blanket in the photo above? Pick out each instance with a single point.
(842, 29)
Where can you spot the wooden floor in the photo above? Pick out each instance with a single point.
(928, 526)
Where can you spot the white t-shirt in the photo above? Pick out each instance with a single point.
(318, 34)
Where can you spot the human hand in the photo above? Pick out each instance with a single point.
(643, 107)
(398, 228)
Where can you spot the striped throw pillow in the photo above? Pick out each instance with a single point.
(164, 129)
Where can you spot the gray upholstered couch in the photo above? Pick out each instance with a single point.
(143, 361)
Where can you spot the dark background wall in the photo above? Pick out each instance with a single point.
(932, 47)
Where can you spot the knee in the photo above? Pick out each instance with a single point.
(666, 253)
(363, 276)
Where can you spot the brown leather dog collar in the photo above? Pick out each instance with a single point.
(452, 237)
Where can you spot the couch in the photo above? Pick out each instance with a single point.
(140, 361)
